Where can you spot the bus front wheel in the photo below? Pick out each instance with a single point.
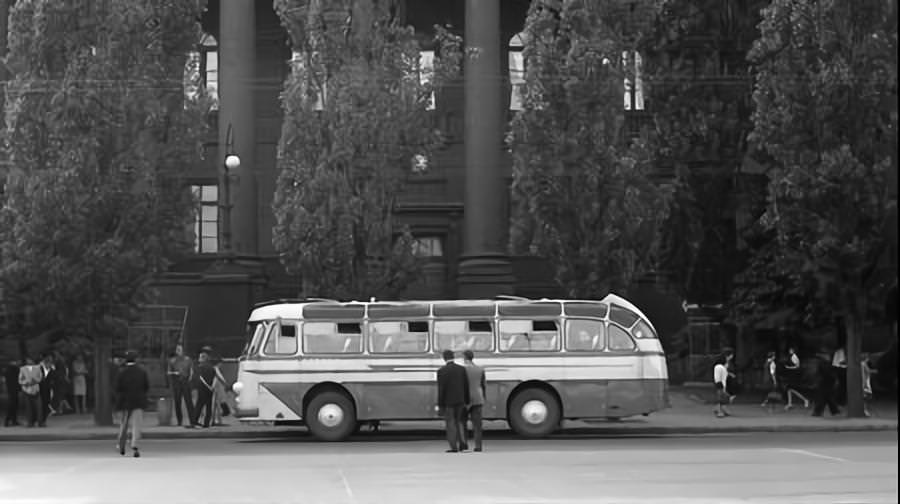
(330, 416)
(534, 412)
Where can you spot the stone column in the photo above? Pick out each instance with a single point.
(484, 268)
(237, 73)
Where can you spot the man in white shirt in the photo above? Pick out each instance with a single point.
(839, 363)
(30, 376)
(720, 378)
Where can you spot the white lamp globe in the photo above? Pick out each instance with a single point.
(232, 161)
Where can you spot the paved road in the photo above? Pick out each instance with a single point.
(794, 468)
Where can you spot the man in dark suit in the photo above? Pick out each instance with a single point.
(825, 383)
(132, 384)
(48, 383)
(453, 396)
(11, 376)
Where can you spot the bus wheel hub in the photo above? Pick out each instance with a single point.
(534, 412)
(330, 415)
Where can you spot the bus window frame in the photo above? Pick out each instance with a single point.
(259, 336)
(337, 322)
(280, 322)
(608, 348)
(603, 343)
(559, 321)
(367, 341)
(490, 320)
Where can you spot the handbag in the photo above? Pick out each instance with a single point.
(225, 409)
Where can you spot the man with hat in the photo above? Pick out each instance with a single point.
(132, 385)
(453, 395)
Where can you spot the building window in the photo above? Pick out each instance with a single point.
(202, 71)
(426, 74)
(516, 72)
(298, 64)
(206, 218)
(634, 84)
(428, 246)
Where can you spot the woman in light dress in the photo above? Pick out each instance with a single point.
(79, 384)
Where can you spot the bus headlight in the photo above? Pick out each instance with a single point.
(237, 387)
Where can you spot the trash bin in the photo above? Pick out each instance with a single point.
(164, 411)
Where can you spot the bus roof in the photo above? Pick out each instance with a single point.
(325, 308)
(619, 300)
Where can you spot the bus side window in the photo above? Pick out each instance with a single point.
(619, 340)
(447, 334)
(514, 335)
(544, 335)
(642, 330)
(352, 334)
(329, 337)
(398, 337)
(529, 335)
(480, 337)
(622, 316)
(458, 335)
(282, 339)
(584, 335)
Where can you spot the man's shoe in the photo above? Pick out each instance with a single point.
(137, 454)
(451, 451)
(477, 449)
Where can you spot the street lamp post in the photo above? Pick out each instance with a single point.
(232, 162)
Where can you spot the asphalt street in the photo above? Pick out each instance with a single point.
(703, 469)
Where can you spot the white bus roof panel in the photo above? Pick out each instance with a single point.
(272, 312)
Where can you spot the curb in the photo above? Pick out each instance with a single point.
(428, 434)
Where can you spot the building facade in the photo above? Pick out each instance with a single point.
(457, 208)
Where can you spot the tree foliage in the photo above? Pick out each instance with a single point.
(98, 138)
(355, 117)
(824, 71)
(583, 195)
(698, 88)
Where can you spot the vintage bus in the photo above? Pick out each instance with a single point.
(336, 365)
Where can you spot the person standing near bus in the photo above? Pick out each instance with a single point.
(132, 385)
(720, 379)
(453, 396)
(477, 394)
(207, 375)
(180, 372)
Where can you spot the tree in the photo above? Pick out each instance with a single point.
(823, 72)
(99, 136)
(355, 119)
(583, 196)
(698, 85)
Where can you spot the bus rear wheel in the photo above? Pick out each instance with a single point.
(331, 416)
(534, 412)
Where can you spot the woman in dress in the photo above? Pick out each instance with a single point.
(79, 384)
(793, 378)
(221, 406)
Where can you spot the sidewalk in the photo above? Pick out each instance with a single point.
(689, 414)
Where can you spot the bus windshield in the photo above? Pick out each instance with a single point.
(253, 336)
